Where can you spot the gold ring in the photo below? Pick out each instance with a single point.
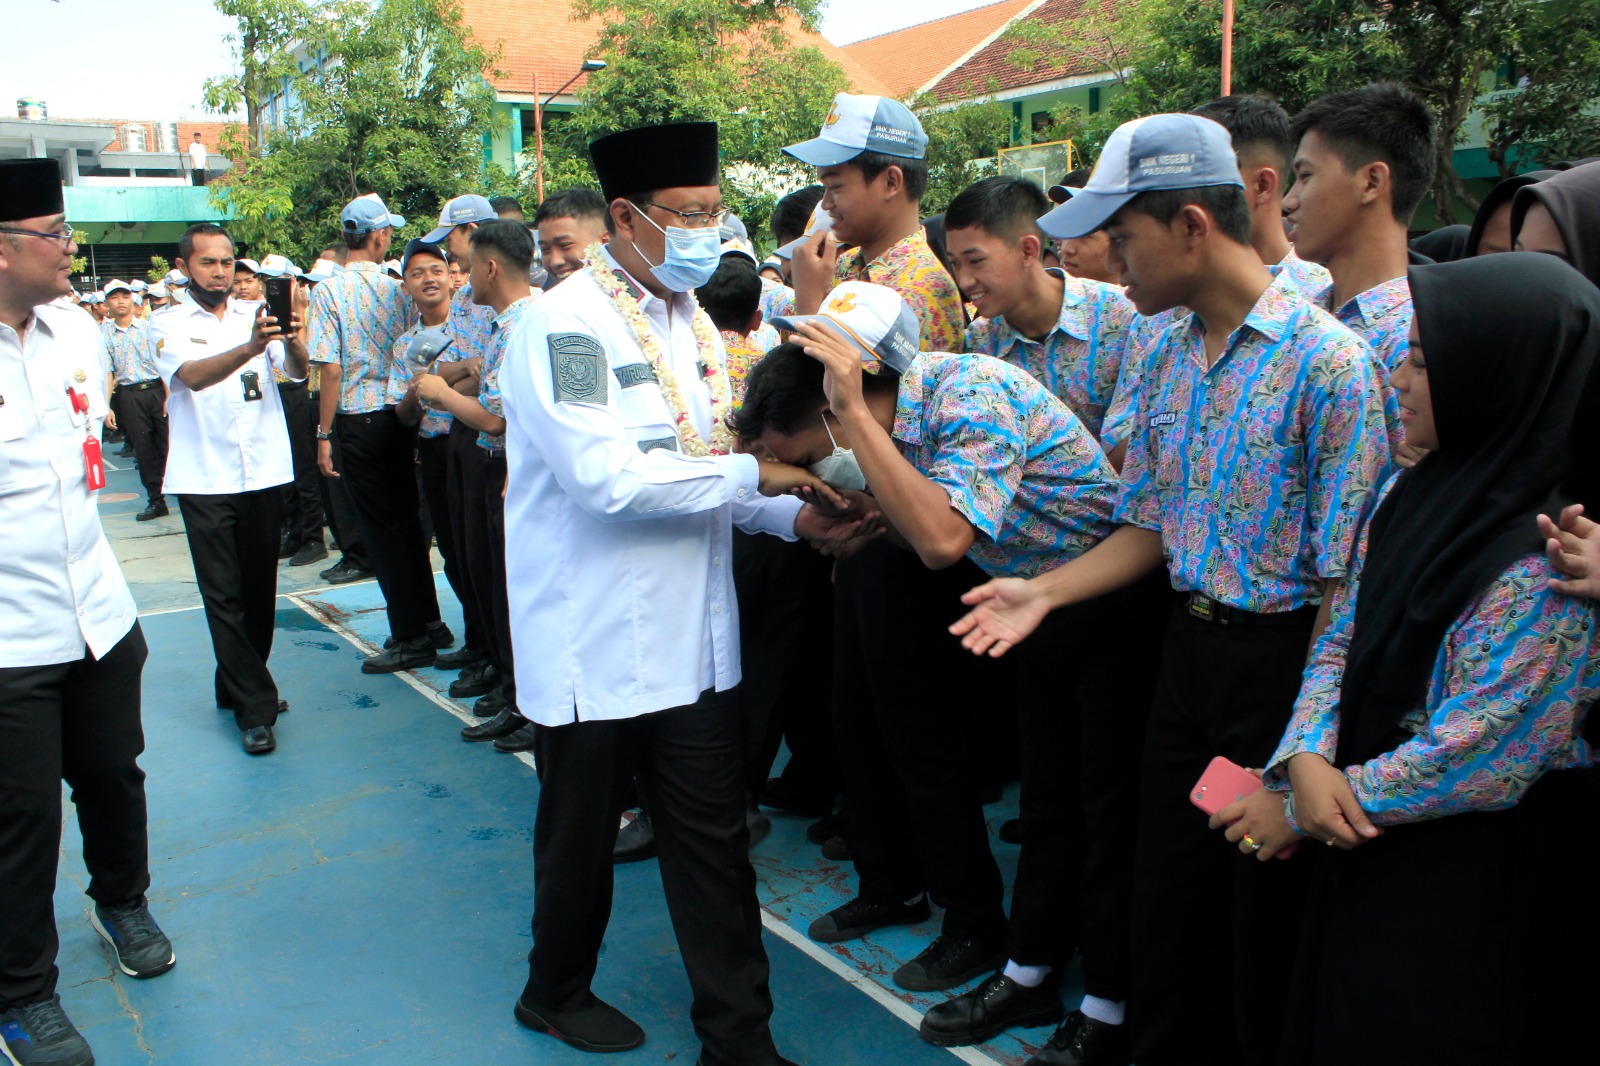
(1331, 841)
(1254, 845)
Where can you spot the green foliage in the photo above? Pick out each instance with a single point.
(962, 142)
(80, 263)
(398, 106)
(159, 268)
(261, 48)
(1550, 110)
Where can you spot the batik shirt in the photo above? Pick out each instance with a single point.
(1081, 358)
(354, 319)
(1381, 316)
(129, 353)
(910, 268)
(1308, 278)
(1504, 705)
(434, 423)
(468, 326)
(489, 392)
(1255, 470)
(777, 301)
(743, 352)
(1014, 460)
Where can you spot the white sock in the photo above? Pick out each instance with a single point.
(1108, 1011)
(1027, 976)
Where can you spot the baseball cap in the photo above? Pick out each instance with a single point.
(94, 297)
(733, 229)
(175, 277)
(158, 289)
(277, 266)
(392, 266)
(873, 317)
(1146, 155)
(735, 246)
(367, 213)
(458, 212)
(820, 220)
(138, 285)
(116, 285)
(322, 270)
(859, 124)
(249, 264)
(422, 246)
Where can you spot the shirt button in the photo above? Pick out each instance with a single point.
(82, 611)
(716, 608)
(742, 494)
(716, 560)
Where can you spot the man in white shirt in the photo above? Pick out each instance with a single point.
(71, 651)
(229, 456)
(197, 159)
(620, 505)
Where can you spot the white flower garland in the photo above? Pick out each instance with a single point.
(711, 368)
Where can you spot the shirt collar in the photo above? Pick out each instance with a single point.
(646, 298)
(1379, 301)
(362, 266)
(1270, 316)
(899, 251)
(513, 311)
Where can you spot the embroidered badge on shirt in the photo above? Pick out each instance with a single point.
(668, 443)
(578, 367)
(634, 374)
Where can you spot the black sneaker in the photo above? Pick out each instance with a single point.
(594, 1026)
(860, 917)
(459, 659)
(1082, 1041)
(345, 573)
(522, 740)
(406, 655)
(141, 948)
(950, 961)
(337, 568)
(636, 839)
(288, 544)
(157, 509)
(989, 1010)
(41, 1034)
(312, 551)
(479, 679)
(820, 832)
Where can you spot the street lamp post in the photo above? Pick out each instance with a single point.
(589, 66)
(1227, 47)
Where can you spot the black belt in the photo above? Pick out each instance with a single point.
(495, 453)
(313, 394)
(1199, 606)
(363, 416)
(140, 386)
(290, 386)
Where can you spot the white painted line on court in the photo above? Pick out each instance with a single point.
(774, 924)
(404, 675)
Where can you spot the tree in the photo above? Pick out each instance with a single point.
(732, 62)
(263, 46)
(961, 142)
(159, 269)
(398, 106)
(1546, 113)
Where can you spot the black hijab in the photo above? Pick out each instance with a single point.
(1443, 245)
(1510, 343)
(1494, 199)
(1573, 199)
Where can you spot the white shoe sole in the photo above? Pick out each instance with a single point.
(105, 934)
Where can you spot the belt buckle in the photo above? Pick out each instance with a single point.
(1206, 609)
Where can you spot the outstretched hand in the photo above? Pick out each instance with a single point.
(1004, 612)
(1573, 548)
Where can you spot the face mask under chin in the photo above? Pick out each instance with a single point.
(207, 298)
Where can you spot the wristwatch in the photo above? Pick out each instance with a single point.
(323, 434)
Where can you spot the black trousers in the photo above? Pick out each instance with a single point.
(139, 413)
(302, 497)
(341, 511)
(484, 477)
(1453, 940)
(908, 706)
(1212, 927)
(434, 453)
(233, 540)
(76, 722)
(1085, 682)
(461, 450)
(379, 470)
(785, 593)
(688, 762)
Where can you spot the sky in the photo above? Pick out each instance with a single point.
(109, 64)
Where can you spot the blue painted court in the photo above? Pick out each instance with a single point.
(363, 894)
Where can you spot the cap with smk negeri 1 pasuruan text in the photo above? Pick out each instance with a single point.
(459, 212)
(857, 124)
(367, 213)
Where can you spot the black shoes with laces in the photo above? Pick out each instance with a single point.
(989, 1010)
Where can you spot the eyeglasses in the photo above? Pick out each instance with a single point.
(64, 234)
(691, 219)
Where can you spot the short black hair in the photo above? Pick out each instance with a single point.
(783, 393)
(358, 242)
(502, 204)
(1075, 178)
(199, 229)
(793, 213)
(507, 240)
(1224, 203)
(340, 252)
(1384, 123)
(578, 202)
(733, 295)
(1008, 208)
(871, 164)
(1254, 121)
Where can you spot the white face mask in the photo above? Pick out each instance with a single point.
(840, 469)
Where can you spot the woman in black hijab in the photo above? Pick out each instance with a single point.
(1443, 707)
(1491, 226)
(1561, 216)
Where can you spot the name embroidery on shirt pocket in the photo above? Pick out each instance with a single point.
(578, 368)
(1166, 418)
(634, 374)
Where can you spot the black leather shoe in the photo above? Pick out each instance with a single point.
(125, 451)
(438, 633)
(522, 740)
(312, 551)
(491, 704)
(406, 655)
(459, 659)
(1082, 1041)
(833, 825)
(479, 679)
(345, 573)
(860, 917)
(950, 961)
(595, 1026)
(287, 546)
(783, 797)
(989, 1010)
(635, 841)
(837, 849)
(157, 509)
(258, 740)
(337, 568)
(505, 723)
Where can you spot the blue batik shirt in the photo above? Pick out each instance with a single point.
(505, 324)
(354, 319)
(129, 354)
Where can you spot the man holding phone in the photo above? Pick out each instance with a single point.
(230, 456)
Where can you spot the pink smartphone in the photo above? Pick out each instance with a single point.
(1223, 784)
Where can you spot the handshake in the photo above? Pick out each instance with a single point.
(836, 522)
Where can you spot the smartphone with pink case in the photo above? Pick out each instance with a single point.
(1223, 784)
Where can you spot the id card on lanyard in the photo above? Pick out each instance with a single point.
(94, 468)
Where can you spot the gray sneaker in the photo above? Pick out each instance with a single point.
(41, 1034)
(141, 948)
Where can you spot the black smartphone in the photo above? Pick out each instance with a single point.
(280, 301)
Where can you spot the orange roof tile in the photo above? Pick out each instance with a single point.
(210, 132)
(992, 63)
(906, 60)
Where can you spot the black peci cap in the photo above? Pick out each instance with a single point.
(30, 188)
(672, 156)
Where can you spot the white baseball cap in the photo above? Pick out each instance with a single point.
(1148, 154)
(158, 289)
(249, 264)
(175, 277)
(859, 124)
(367, 213)
(277, 266)
(873, 317)
(820, 220)
(735, 246)
(322, 270)
(459, 212)
(116, 285)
